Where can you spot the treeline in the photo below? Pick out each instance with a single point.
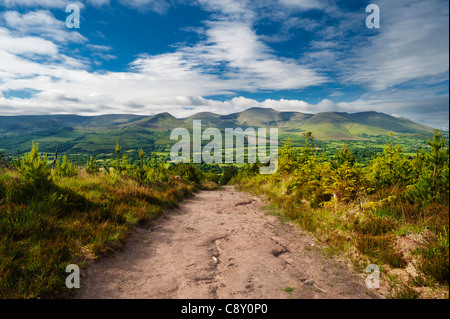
(369, 211)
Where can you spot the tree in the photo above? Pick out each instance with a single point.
(309, 137)
(118, 155)
(91, 166)
(288, 159)
(438, 156)
(65, 169)
(432, 171)
(390, 168)
(345, 156)
(33, 169)
(3, 162)
(346, 183)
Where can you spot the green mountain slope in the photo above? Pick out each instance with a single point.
(97, 134)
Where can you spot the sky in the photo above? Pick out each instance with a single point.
(225, 56)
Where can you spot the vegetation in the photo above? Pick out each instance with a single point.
(393, 211)
(53, 217)
(81, 137)
(387, 206)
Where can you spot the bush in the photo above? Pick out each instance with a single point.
(390, 168)
(212, 177)
(380, 249)
(65, 169)
(432, 170)
(92, 167)
(33, 169)
(405, 292)
(434, 258)
(347, 183)
(373, 225)
(288, 161)
(188, 172)
(2, 186)
(230, 172)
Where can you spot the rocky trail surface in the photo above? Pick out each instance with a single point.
(220, 244)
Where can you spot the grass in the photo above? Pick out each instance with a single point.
(72, 220)
(380, 250)
(289, 290)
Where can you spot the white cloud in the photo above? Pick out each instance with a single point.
(226, 9)
(158, 6)
(100, 51)
(411, 44)
(304, 4)
(231, 58)
(33, 3)
(26, 45)
(39, 3)
(250, 61)
(102, 48)
(42, 23)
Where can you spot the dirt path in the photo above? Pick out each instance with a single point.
(220, 244)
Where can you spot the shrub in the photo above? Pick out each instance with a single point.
(380, 249)
(3, 186)
(230, 172)
(374, 225)
(405, 292)
(345, 156)
(347, 183)
(188, 172)
(212, 177)
(288, 161)
(391, 167)
(65, 169)
(33, 169)
(434, 258)
(432, 168)
(91, 166)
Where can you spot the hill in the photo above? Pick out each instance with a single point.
(97, 134)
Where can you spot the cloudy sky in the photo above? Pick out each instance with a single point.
(224, 56)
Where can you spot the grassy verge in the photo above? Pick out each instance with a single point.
(70, 220)
(411, 253)
(393, 212)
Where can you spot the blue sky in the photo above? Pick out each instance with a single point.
(224, 56)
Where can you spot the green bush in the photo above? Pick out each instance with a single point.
(347, 183)
(432, 170)
(92, 167)
(65, 169)
(230, 172)
(212, 177)
(188, 172)
(33, 169)
(390, 168)
(288, 161)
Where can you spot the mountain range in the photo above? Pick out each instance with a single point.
(98, 134)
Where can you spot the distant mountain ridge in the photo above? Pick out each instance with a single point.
(75, 133)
